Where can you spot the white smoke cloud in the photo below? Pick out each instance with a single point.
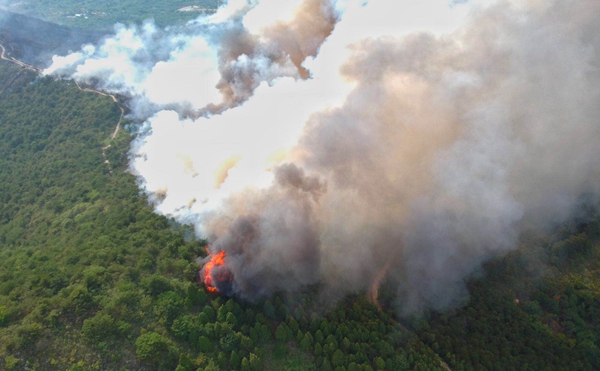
(329, 141)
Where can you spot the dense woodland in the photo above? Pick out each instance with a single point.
(92, 279)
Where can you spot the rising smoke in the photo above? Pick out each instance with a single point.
(333, 140)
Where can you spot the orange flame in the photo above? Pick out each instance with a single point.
(216, 260)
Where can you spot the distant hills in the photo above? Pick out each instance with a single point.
(35, 41)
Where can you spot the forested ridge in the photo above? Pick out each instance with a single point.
(91, 278)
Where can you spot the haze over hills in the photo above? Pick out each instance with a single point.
(102, 15)
(96, 275)
(35, 41)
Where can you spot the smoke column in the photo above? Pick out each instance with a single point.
(332, 140)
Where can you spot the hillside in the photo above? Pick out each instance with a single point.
(91, 278)
(34, 41)
(102, 15)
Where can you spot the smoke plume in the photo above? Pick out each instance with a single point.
(334, 140)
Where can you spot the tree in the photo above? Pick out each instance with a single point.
(234, 360)
(81, 299)
(379, 363)
(254, 334)
(102, 327)
(293, 324)
(210, 312)
(326, 366)
(299, 337)
(185, 327)
(254, 362)
(3, 315)
(281, 333)
(156, 285)
(204, 344)
(338, 359)
(151, 347)
(332, 341)
(203, 318)
(319, 338)
(230, 341)
(197, 297)
(265, 333)
(168, 306)
(185, 363)
(245, 365)
(346, 344)
(318, 349)
(325, 328)
(231, 319)
(307, 342)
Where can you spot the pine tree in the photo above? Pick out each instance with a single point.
(235, 360)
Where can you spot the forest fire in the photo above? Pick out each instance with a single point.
(208, 276)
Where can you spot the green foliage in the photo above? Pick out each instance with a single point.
(197, 297)
(281, 333)
(156, 285)
(203, 318)
(186, 327)
(379, 363)
(3, 315)
(28, 334)
(307, 342)
(318, 349)
(103, 327)
(245, 365)
(152, 347)
(265, 333)
(319, 338)
(230, 341)
(185, 363)
(168, 306)
(234, 360)
(337, 359)
(518, 320)
(204, 344)
(209, 312)
(231, 319)
(80, 299)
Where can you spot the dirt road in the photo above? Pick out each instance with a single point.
(38, 71)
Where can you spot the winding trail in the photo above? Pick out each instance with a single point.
(38, 71)
(24, 66)
(118, 127)
(17, 62)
